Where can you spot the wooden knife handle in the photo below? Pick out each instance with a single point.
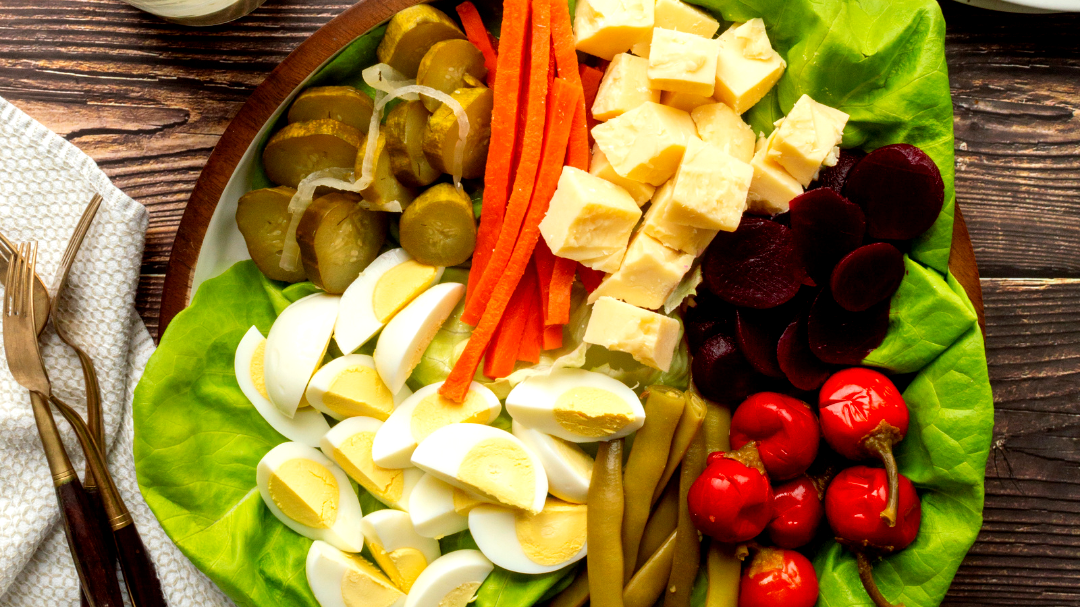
(139, 573)
(88, 547)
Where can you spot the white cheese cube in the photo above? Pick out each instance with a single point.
(599, 166)
(684, 101)
(648, 274)
(675, 235)
(681, 62)
(605, 263)
(681, 17)
(605, 28)
(646, 143)
(747, 66)
(710, 188)
(624, 87)
(588, 217)
(719, 125)
(649, 337)
(772, 187)
(808, 137)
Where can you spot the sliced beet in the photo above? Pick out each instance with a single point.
(825, 226)
(840, 337)
(721, 373)
(708, 316)
(835, 177)
(783, 219)
(755, 266)
(757, 333)
(868, 275)
(804, 370)
(899, 188)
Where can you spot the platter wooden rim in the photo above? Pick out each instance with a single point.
(280, 83)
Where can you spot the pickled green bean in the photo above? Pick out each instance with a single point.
(574, 595)
(661, 523)
(604, 519)
(645, 588)
(687, 557)
(723, 568)
(692, 418)
(717, 427)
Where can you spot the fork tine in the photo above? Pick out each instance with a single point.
(9, 292)
(28, 279)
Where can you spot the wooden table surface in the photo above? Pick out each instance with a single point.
(148, 101)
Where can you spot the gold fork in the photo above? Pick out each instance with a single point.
(85, 540)
(41, 294)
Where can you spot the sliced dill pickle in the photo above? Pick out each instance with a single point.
(338, 239)
(439, 229)
(263, 219)
(411, 33)
(385, 188)
(441, 134)
(404, 127)
(345, 104)
(302, 148)
(445, 66)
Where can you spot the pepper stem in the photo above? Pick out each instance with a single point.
(749, 456)
(880, 442)
(866, 574)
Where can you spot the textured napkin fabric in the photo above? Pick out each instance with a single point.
(45, 183)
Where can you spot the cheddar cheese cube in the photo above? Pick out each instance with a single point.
(681, 62)
(684, 101)
(646, 143)
(747, 66)
(772, 187)
(649, 337)
(605, 28)
(624, 87)
(710, 188)
(681, 17)
(675, 235)
(649, 272)
(588, 217)
(807, 138)
(719, 125)
(599, 166)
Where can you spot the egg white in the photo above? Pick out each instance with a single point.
(295, 347)
(404, 339)
(447, 573)
(495, 532)
(532, 402)
(324, 378)
(565, 481)
(393, 530)
(354, 425)
(307, 426)
(345, 534)
(325, 567)
(431, 508)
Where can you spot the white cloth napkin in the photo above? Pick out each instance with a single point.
(45, 183)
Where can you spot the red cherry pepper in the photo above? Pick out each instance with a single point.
(785, 429)
(862, 417)
(853, 502)
(778, 577)
(798, 509)
(731, 501)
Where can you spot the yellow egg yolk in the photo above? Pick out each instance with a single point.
(463, 502)
(257, 369)
(500, 470)
(554, 535)
(354, 456)
(403, 565)
(359, 391)
(434, 412)
(460, 596)
(306, 492)
(398, 286)
(592, 412)
(365, 586)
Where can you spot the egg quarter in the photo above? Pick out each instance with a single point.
(531, 544)
(451, 581)
(576, 405)
(399, 550)
(349, 386)
(432, 508)
(568, 467)
(339, 579)
(295, 346)
(402, 342)
(349, 444)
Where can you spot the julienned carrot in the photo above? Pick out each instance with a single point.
(544, 260)
(590, 85)
(503, 353)
(590, 277)
(504, 134)
(532, 338)
(560, 110)
(562, 280)
(478, 35)
(525, 179)
(562, 41)
(552, 336)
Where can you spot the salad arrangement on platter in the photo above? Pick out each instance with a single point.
(563, 316)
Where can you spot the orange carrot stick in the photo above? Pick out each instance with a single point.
(589, 277)
(544, 260)
(532, 338)
(562, 41)
(556, 136)
(525, 179)
(502, 355)
(478, 35)
(552, 337)
(504, 134)
(559, 296)
(590, 85)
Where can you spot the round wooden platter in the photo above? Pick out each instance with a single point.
(276, 90)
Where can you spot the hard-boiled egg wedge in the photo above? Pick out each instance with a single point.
(350, 386)
(306, 426)
(310, 495)
(386, 286)
(404, 339)
(295, 347)
(438, 509)
(451, 581)
(398, 549)
(531, 543)
(487, 461)
(349, 446)
(568, 468)
(423, 413)
(338, 579)
(576, 405)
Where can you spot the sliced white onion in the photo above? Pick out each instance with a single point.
(382, 77)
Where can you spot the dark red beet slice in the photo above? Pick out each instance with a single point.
(804, 370)
(783, 219)
(755, 266)
(899, 188)
(708, 316)
(868, 275)
(840, 337)
(825, 226)
(835, 177)
(721, 373)
(757, 332)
